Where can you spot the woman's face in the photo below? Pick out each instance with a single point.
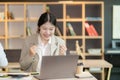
(46, 31)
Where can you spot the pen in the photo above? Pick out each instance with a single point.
(34, 73)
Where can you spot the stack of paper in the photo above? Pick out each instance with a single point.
(15, 78)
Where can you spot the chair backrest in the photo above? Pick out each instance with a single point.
(13, 55)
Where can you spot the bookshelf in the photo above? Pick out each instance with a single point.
(77, 13)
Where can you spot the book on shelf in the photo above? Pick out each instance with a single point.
(28, 30)
(47, 9)
(71, 30)
(93, 18)
(58, 32)
(93, 30)
(67, 31)
(94, 51)
(2, 15)
(90, 30)
(87, 27)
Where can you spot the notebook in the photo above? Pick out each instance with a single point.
(58, 67)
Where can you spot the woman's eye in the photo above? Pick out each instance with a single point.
(51, 29)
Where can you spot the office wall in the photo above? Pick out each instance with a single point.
(108, 15)
(108, 20)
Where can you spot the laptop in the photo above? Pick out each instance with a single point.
(58, 67)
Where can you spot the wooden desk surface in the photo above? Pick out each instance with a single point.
(83, 76)
(96, 63)
(87, 63)
(13, 65)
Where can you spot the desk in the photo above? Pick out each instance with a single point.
(87, 64)
(84, 74)
(13, 65)
(99, 64)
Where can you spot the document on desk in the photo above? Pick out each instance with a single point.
(15, 78)
(13, 75)
(85, 76)
(16, 74)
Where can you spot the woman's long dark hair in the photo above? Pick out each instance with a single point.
(46, 17)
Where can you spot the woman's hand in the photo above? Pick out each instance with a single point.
(62, 50)
(33, 50)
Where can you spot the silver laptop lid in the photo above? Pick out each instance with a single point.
(56, 67)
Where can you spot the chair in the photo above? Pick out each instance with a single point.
(13, 55)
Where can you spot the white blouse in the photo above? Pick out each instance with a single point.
(3, 59)
(42, 50)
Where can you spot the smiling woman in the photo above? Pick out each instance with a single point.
(43, 43)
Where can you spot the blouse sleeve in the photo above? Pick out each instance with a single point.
(3, 58)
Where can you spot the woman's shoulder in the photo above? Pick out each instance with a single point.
(31, 36)
(59, 39)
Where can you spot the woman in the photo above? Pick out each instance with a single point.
(3, 59)
(44, 43)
